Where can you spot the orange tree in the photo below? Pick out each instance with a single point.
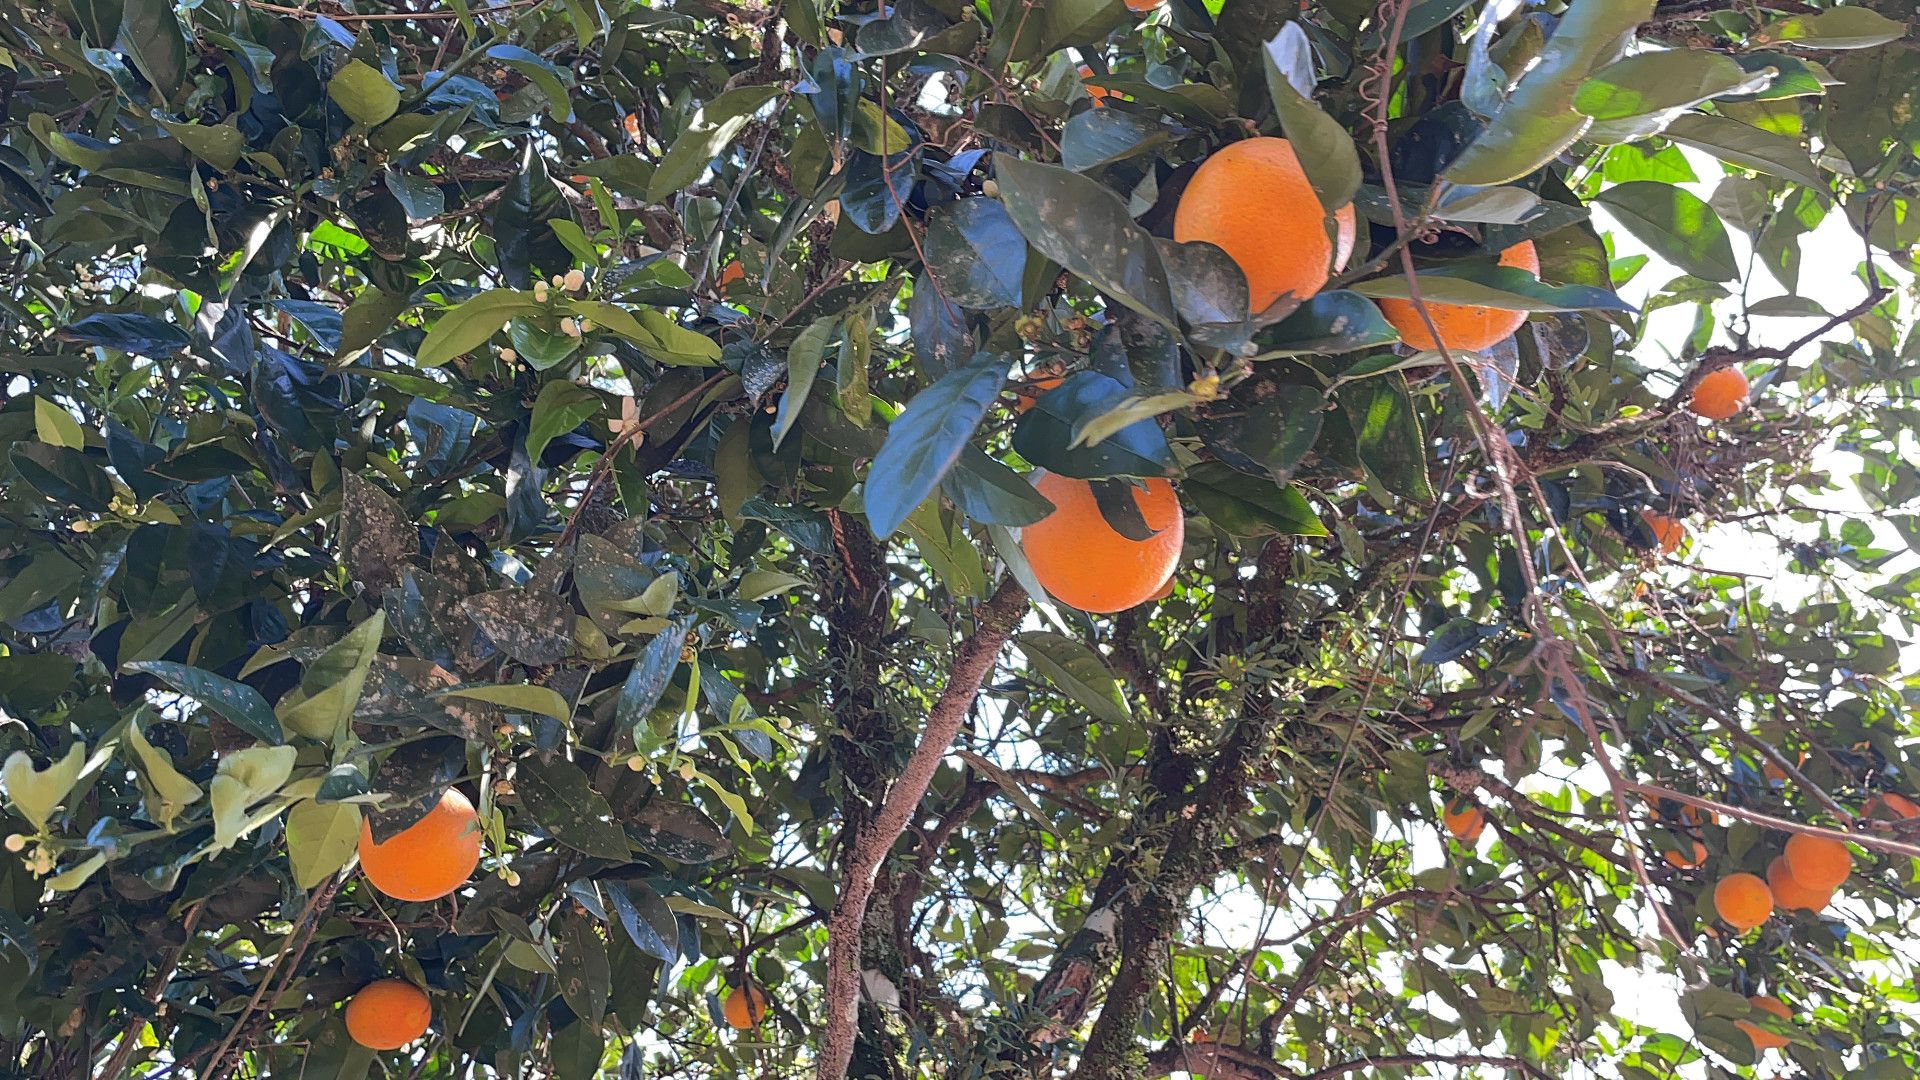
(511, 518)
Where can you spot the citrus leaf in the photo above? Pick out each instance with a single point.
(1676, 224)
(522, 697)
(470, 325)
(1058, 210)
(927, 438)
(321, 838)
(1079, 672)
(239, 703)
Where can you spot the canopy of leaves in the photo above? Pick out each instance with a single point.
(606, 408)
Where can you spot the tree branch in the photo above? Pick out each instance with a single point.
(994, 622)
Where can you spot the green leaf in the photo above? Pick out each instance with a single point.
(1057, 210)
(710, 130)
(321, 706)
(558, 796)
(152, 37)
(1748, 147)
(239, 703)
(541, 72)
(946, 549)
(36, 792)
(363, 93)
(1840, 28)
(1652, 82)
(243, 778)
(321, 838)
(987, 491)
(927, 438)
(1249, 506)
(1484, 284)
(469, 325)
(367, 319)
(562, 406)
(1008, 785)
(1095, 138)
(1097, 428)
(219, 145)
(804, 357)
(1388, 434)
(1079, 672)
(168, 792)
(1539, 120)
(1339, 321)
(979, 253)
(585, 978)
(1676, 224)
(856, 354)
(56, 426)
(522, 697)
(649, 677)
(1326, 152)
(758, 585)
(654, 332)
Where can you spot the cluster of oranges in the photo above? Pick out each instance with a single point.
(1081, 559)
(1803, 877)
(425, 861)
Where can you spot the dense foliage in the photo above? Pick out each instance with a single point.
(609, 411)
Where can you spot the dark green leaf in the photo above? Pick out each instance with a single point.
(559, 797)
(239, 703)
(1085, 228)
(1388, 434)
(927, 439)
(1676, 224)
(1249, 506)
(1079, 672)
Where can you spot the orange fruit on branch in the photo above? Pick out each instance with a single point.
(1029, 392)
(1720, 395)
(1762, 1038)
(1790, 893)
(1818, 862)
(1464, 820)
(733, 274)
(1667, 532)
(1743, 900)
(1466, 327)
(1099, 94)
(1086, 563)
(1681, 860)
(1141, 7)
(745, 1006)
(388, 1014)
(1888, 805)
(428, 859)
(1252, 200)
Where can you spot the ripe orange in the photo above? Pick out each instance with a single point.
(731, 275)
(745, 1006)
(1668, 532)
(1099, 94)
(430, 858)
(1085, 562)
(1464, 820)
(1762, 1038)
(388, 1014)
(1463, 326)
(1029, 392)
(1888, 805)
(1679, 860)
(1253, 201)
(1790, 893)
(1743, 900)
(1141, 7)
(1818, 862)
(1720, 395)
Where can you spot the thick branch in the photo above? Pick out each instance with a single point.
(994, 621)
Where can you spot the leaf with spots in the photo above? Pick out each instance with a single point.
(239, 703)
(559, 797)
